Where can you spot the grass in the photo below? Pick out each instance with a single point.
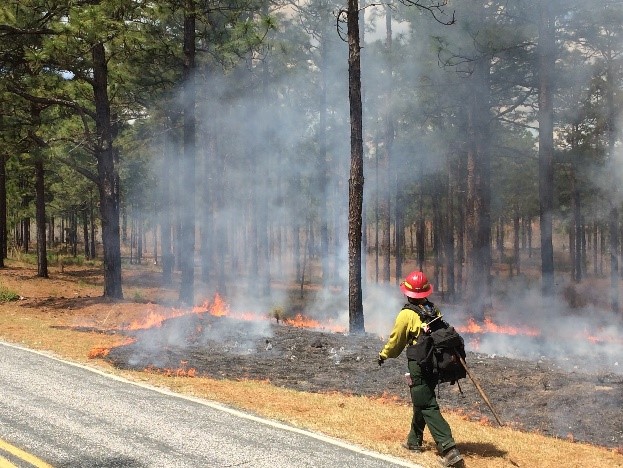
(7, 295)
(375, 423)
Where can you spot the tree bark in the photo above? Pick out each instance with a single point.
(85, 232)
(92, 219)
(187, 234)
(355, 188)
(478, 210)
(516, 237)
(42, 256)
(322, 166)
(166, 248)
(546, 62)
(449, 238)
(3, 220)
(613, 219)
(108, 177)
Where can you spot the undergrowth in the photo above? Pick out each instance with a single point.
(8, 295)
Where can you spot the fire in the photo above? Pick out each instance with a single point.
(599, 336)
(153, 319)
(217, 308)
(181, 371)
(102, 351)
(489, 327)
(299, 320)
(98, 352)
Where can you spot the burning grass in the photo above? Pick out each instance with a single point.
(48, 318)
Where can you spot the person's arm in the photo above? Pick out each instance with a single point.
(405, 323)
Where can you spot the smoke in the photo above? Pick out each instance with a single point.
(586, 338)
(265, 183)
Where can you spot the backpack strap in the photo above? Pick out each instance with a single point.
(428, 313)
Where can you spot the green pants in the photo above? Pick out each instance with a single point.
(426, 411)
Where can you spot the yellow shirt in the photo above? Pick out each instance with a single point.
(407, 328)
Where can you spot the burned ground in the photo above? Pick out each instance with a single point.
(535, 395)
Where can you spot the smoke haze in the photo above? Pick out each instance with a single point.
(259, 169)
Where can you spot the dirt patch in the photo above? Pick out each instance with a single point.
(536, 395)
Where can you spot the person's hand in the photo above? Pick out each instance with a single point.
(380, 361)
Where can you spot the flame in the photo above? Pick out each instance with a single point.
(600, 336)
(299, 320)
(217, 308)
(153, 319)
(489, 327)
(98, 352)
(102, 351)
(181, 371)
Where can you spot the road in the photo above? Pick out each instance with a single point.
(55, 413)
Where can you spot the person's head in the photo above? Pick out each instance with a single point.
(416, 287)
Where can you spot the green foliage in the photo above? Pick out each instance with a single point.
(6, 295)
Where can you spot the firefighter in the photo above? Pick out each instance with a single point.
(407, 328)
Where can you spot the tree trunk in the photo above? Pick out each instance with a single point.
(266, 149)
(420, 236)
(3, 220)
(50, 236)
(166, 247)
(449, 240)
(108, 178)
(42, 256)
(478, 210)
(577, 215)
(384, 218)
(595, 251)
(516, 237)
(205, 212)
(187, 234)
(546, 57)
(460, 227)
(322, 166)
(355, 187)
(436, 233)
(85, 232)
(139, 238)
(92, 219)
(613, 218)
(377, 213)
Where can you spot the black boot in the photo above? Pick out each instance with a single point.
(413, 448)
(451, 457)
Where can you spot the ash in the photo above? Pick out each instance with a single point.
(560, 398)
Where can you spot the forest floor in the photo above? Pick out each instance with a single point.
(532, 395)
(538, 395)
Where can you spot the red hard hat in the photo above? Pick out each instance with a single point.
(416, 285)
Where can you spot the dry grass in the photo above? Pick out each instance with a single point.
(377, 424)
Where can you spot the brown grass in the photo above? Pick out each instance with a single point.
(43, 319)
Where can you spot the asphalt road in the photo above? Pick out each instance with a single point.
(60, 414)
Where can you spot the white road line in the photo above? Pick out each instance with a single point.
(226, 409)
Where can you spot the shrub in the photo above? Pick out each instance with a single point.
(6, 295)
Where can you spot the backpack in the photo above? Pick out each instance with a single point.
(438, 353)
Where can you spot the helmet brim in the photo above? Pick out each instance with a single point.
(414, 294)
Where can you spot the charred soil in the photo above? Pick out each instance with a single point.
(533, 395)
